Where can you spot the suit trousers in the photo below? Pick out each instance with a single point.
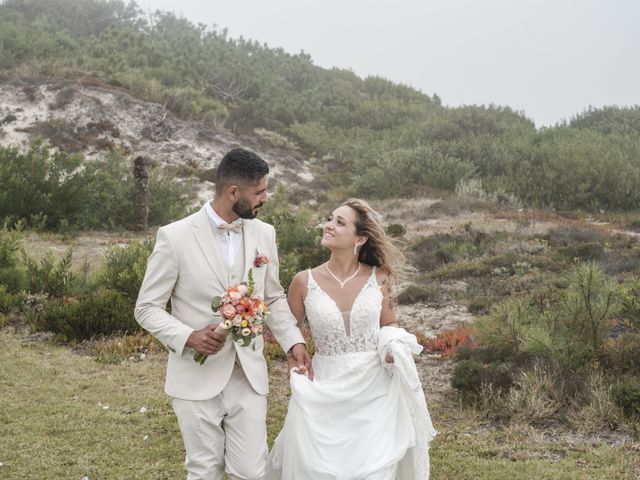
(227, 432)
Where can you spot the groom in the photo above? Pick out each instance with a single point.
(221, 406)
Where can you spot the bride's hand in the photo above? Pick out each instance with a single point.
(388, 357)
(298, 370)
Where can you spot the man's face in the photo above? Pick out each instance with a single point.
(252, 198)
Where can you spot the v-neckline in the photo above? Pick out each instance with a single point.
(335, 304)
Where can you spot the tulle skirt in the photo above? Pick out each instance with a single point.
(351, 423)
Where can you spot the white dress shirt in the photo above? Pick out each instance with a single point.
(230, 240)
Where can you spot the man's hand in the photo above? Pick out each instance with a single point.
(300, 359)
(206, 340)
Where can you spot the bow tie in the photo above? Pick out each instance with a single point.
(234, 227)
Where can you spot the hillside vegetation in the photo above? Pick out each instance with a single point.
(374, 137)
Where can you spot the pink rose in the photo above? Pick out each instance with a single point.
(236, 295)
(242, 290)
(260, 260)
(239, 309)
(228, 311)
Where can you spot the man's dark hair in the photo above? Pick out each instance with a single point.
(241, 166)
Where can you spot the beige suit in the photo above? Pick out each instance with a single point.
(187, 268)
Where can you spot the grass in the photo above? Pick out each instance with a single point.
(54, 424)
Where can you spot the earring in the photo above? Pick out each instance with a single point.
(355, 249)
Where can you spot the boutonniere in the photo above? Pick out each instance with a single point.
(260, 260)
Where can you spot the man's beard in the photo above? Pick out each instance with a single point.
(243, 209)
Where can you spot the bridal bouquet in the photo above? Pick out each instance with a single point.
(243, 313)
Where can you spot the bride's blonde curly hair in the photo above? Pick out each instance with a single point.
(378, 251)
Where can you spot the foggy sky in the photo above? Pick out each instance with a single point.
(550, 59)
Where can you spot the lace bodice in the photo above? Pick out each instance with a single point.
(334, 334)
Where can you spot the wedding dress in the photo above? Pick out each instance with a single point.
(360, 418)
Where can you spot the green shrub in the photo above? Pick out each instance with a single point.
(509, 326)
(396, 230)
(469, 376)
(567, 235)
(48, 276)
(583, 251)
(630, 304)
(479, 305)
(62, 191)
(103, 312)
(424, 253)
(417, 293)
(538, 394)
(8, 301)
(621, 355)
(124, 268)
(12, 276)
(598, 410)
(627, 395)
(587, 307)
(41, 188)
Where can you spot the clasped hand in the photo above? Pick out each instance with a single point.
(206, 340)
(300, 361)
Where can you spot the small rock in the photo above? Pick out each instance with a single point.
(146, 437)
(143, 410)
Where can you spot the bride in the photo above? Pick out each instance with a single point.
(360, 413)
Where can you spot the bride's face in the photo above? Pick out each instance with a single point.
(339, 230)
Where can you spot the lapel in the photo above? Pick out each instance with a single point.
(250, 247)
(203, 233)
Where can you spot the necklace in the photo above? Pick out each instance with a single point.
(343, 283)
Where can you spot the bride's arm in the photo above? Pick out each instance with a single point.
(295, 297)
(387, 314)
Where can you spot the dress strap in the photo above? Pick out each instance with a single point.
(373, 279)
(310, 280)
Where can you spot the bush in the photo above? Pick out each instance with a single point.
(537, 394)
(50, 277)
(630, 304)
(450, 341)
(12, 276)
(469, 377)
(621, 355)
(103, 312)
(627, 395)
(8, 301)
(587, 307)
(583, 251)
(424, 252)
(40, 188)
(124, 269)
(417, 293)
(54, 191)
(599, 409)
(511, 328)
(396, 230)
(567, 235)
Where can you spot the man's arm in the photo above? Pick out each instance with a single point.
(158, 283)
(281, 322)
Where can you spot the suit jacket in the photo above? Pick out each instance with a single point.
(187, 268)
